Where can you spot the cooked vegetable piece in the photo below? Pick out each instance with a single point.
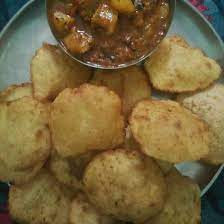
(123, 6)
(164, 10)
(105, 17)
(78, 42)
(139, 19)
(62, 22)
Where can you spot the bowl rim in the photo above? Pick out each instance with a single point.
(172, 4)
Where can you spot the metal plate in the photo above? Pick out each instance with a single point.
(28, 29)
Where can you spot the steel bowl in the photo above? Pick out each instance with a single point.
(49, 3)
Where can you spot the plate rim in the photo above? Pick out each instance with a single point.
(206, 21)
(221, 42)
(13, 18)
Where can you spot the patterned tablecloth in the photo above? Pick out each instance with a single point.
(213, 201)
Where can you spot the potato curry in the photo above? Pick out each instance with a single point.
(109, 32)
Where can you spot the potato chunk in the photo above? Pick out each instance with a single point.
(123, 6)
(62, 22)
(105, 17)
(78, 42)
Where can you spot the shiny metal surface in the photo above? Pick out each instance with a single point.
(139, 60)
(29, 29)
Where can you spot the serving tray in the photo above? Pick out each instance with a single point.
(28, 29)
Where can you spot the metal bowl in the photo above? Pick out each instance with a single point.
(49, 3)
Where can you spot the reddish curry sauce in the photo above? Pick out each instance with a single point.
(99, 32)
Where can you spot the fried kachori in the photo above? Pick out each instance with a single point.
(114, 80)
(90, 147)
(131, 144)
(125, 184)
(41, 201)
(130, 84)
(167, 131)
(82, 212)
(209, 105)
(164, 166)
(183, 202)
(86, 119)
(19, 177)
(177, 67)
(15, 92)
(24, 134)
(52, 71)
(69, 171)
